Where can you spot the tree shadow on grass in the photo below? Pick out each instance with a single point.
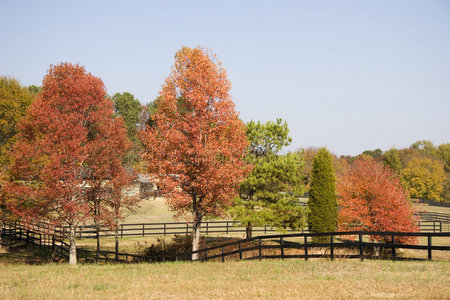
(24, 253)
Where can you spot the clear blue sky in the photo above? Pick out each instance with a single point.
(349, 75)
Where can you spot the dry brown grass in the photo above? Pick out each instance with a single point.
(290, 279)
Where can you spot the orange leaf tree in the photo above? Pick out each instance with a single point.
(68, 152)
(372, 199)
(196, 144)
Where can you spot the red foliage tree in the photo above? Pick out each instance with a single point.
(68, 152)
(196, 144)
(372, 199)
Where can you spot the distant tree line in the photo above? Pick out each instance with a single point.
(423, 168)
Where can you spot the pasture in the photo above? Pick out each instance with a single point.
(27, 274)
(290, 279)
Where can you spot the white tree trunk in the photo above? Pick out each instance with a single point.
(73, 247)
(1, 235)
(196, 239)
(116, 239)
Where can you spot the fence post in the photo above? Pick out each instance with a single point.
(187, 228)
(306, 246)
(282, 247)
(260, 249)
(361, 250)
(40, 240)
(121, 230)
(393, 247)
(27, 236)
(429, 247)
(240, 251)
(223, 257)
(164, 229)
(143, 229)
(207, 228)
(332, 247)
(53, 245)
(434, 226)
(227, 227)
(265, 229)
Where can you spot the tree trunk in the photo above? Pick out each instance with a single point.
(248, 230)
(377, 252)
(73, 247)
(197, 223)
(1, 235)
(97, 252)
(97, 231)
(116, 236)
(196, 237)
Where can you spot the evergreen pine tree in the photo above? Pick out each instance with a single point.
(322, 196)
(269, 195)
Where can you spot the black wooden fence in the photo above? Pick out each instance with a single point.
(256, 246)
(172, 228)
(434, 216)
(42, 236)
(210, 227)
(252, 248)
(53, 242)
(429, 222)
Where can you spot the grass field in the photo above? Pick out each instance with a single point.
(292, 279)
(26, 274)
(153, 210)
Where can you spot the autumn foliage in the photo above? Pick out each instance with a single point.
(196, 144)
(424, 178)
(372, 199)
(68, 151)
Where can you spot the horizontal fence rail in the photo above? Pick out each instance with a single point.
(361, 243)
(256, 247)
(181, 228)
(171, 228)
(57, 247)
(434, 216)
(41, 236)
(210, 227)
